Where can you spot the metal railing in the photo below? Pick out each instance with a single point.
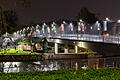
(82, 37)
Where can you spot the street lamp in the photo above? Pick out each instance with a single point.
(71, 26)
(118, 21)
(53, 29)
(81, 26)
(98, 26)
(105, 25)
(81, 20)
(107, 19)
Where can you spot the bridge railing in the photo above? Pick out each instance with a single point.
(88, 37)
(82, 37)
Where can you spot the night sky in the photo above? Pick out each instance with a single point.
(47, 10)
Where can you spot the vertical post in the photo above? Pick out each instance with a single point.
(76, 49)
(105, 25)
(66, 49)
(2, 67)
(32, 48)
(76, 66)
(56, 48)
(45, 46)
(32, 45)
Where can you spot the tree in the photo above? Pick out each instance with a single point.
(8, 21)
(11, 15)
(24, 3)
(11, 21)
(87, 16)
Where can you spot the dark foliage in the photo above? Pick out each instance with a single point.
(87, 16)
(10, 21)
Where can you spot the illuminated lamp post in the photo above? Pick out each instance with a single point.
(98, 27)
(71, 27)
(82, 26)
(53, 29)
(105, 24)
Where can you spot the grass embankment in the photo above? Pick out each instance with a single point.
(15, 51)
(90, 74)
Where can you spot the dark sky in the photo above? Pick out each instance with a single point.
(47, 10)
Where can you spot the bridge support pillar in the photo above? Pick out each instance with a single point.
(76, 49)
(65, 50)
(56, 48)
(45, 45)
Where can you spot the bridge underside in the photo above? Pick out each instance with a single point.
(106, 49)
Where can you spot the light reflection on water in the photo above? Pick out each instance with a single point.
(60, 64)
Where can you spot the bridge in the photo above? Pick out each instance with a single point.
(69, 32)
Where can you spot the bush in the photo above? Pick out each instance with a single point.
(89, 74)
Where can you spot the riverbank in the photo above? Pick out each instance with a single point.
(12, 58)
(89, 74)
(71, 56)
(39, 57)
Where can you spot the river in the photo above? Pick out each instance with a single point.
(94, 63)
